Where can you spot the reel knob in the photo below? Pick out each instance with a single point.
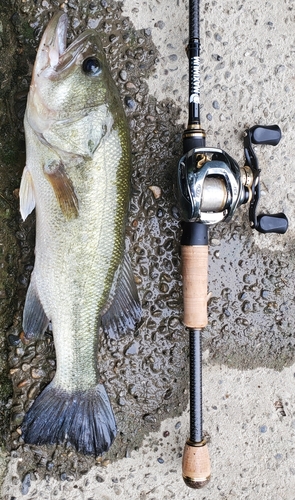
(264, 223)
(274, 223)
(270, 134)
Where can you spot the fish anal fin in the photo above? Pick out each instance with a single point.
(26, 194)
(122, 313)
(35, 320)
(63, 188)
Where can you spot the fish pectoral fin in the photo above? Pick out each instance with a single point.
(63, 188)
(26, 194)
(123, 308)
(35, 320)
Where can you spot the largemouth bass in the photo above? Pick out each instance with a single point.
(77, 176)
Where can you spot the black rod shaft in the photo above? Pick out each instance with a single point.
(196, 430)
(194, 19)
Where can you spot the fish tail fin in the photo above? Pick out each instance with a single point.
(82, 418)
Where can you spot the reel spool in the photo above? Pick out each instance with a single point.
(209, 185)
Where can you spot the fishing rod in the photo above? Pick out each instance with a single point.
(210, 187)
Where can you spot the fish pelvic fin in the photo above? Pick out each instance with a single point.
(26, 194)
(35, 320)
(123, 310)
(83, 419)
(62, 185)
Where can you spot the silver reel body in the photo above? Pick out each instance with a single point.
(209, 186)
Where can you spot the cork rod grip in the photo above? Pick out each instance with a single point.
(195, 285)
(196, 468)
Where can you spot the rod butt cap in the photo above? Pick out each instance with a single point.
(196, 470)
(196, 484)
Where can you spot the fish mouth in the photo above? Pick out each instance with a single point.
(56, 63)
(58, 44)
(53, 43)
(54, 57)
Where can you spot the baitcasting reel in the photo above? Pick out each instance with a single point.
(211, 185)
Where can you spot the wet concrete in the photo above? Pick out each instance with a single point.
(252, 306)
(251, 309)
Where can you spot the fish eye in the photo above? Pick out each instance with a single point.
(91, 66)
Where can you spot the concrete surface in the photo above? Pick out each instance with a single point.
(247, 78)
(251, 449)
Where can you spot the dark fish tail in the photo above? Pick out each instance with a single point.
(82, 418)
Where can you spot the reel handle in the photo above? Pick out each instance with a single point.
(264, 223)
(273, 223)
(266, 134)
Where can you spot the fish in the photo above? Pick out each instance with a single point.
(77, 178)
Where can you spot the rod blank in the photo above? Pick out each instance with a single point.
(195, 386)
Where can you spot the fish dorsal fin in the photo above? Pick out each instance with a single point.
(123, 308)
(26, 194)
(63, 188)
